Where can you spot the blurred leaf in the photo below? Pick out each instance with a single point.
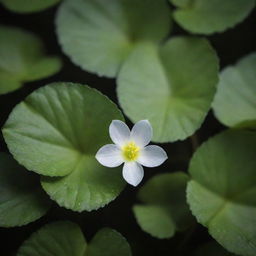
(108, 242)
(8, 83)
(234, 103)
(207, 17)
(165, 197)
(212, 249)
(168, 191)
(172, 87)
(98, 36)
(43, 68)
(181, 3)
(154, 220)
(21, 197)
(222, 193)
(56, 131)
(61, 238)
(22, 59)
(28, 6)
(64, 238)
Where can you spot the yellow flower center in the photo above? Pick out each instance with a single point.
(130, 151)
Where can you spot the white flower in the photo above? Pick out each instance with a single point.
(131, 149)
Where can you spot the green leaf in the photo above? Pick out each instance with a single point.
(165, 210)
(238, 85)
(108, 242)
(168, 191)
(57, 131)
(61, 238)
(64, 238)
(154, 220)
(172, 87)
(8, 83)
(43, 68)
(98, 36)
(21, 198)
(28, 6)
(22, 60)
(222, 193)
(181, 3)
(212, 249)
(88, 187)
(207, 17)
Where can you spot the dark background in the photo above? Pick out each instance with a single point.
(230, 46)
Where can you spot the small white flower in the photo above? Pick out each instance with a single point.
(131, 149)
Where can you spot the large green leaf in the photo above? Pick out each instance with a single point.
(61, 238)
(21, 198)
(98, 36)
(88, 187)
(22, 60)
(207, 17)
(56, 131)
(165, 210)
(28, 6)
(234, 103)
(172, 87)
(222, 193)
(108, 242)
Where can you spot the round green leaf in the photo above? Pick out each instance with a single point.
(57, 131)
(21, 197)
(168, 191)
(207, 17)
(172, 87)
(88, 187)
(98, 36)
(61, 238)
(154, 220)
(108, 242)
(22, 60)
(222, 193)
(28, 6)
(234, 104)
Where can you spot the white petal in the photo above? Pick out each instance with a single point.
(119, 132)
(152, 156)
(133, 173)
(109, 155)
(142, 133)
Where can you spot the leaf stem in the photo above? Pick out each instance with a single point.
(194, 142)
(182, 245)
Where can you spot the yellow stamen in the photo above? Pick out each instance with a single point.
(130, 151)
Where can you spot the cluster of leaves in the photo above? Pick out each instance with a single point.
(66, 238)
(55, 132)
(22, 60)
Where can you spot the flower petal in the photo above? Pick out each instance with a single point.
(109, 155)
(142, 133)
(119, 132)
(152, 156)
(133, 173)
